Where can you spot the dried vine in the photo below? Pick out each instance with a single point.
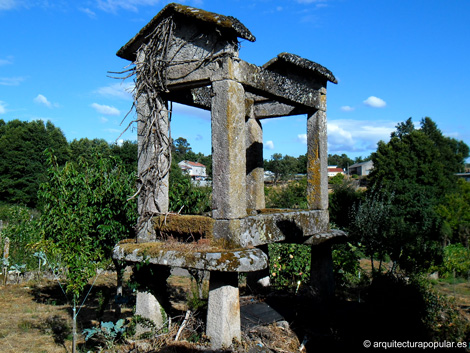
(153, 117)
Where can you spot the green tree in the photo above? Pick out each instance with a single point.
(283, 167)
(342, 161)
(22, 161)
(85, 212)
(412, 168)
(455, 212)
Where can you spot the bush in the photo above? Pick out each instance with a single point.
(337, 179)
(289, 264)
(456, 259)
(20, 226)
(292, 195)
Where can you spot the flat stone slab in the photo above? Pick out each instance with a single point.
(189, 256)
(258, 314)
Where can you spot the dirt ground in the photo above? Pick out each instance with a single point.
(35, 317)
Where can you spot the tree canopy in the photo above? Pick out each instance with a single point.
(22, 159)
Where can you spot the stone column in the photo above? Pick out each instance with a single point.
(223, 311)
(254, 161)
(153, 159)
(228, 150)
(317, 161)
(152, 300)
(321, 273)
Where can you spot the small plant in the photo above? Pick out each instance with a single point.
(108, 333)
(42, 260)
(290, 263)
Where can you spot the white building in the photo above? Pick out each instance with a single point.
(196, 170)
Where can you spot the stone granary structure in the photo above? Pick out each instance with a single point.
(190, 56)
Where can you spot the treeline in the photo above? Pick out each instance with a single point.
(23, 162)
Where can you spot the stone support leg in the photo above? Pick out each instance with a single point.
(258, 281)
(152, 298)
(228, 150)
(321, 273)
(317, 161)
(223, 312)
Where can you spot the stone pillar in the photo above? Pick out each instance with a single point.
(228, 150)
(223, 311)
(152, 300)
(321, 272)
(153, 159)
(258, 281)
(317, 161)
(254, 161)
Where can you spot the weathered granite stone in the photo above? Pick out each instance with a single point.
(321, 273)
(223, 310)
(317, 161)
(147, 306)
(254, 162)
(228, 150)
(242, 260)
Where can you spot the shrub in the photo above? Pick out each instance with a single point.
(289, 264)
(456, 259)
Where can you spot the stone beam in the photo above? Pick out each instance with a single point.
(254, 78)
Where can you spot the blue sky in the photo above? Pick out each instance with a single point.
(393, 59)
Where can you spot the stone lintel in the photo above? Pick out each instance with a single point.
(325, 236)
(263, 108)
(240, 260)
(256, 79)
(289, 226)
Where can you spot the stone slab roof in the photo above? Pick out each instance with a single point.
(227, 23)
(285, 60)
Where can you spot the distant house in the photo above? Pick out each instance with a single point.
(465, 176)
(196, 170)
(361, 169)
(333, 170)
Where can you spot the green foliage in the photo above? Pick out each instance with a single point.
(85, 213)
(343, 199)
(441, 315)
(337, 179)
(22, 160)
(456, 261)
(455, 212)
(20, 226)
(417, 166)
(342, 161)
(291, 195)
(285, 167)
(346, 265)
(184, 196)
(289, 264)
(109, 333)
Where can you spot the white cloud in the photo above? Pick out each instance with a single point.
(113, 131)
(104, 120)
(302, 138)
(375, 102)
(347, 108)
(348, 135)
(11, 81)
(129, 5)
(8, 60)
(40, 99)
(105, 109)
(8, 4)
(269, 145)
(3, 110)
(88, 12)
(117, 90)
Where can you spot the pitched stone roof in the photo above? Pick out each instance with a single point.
(288, 59)
(228, 24)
